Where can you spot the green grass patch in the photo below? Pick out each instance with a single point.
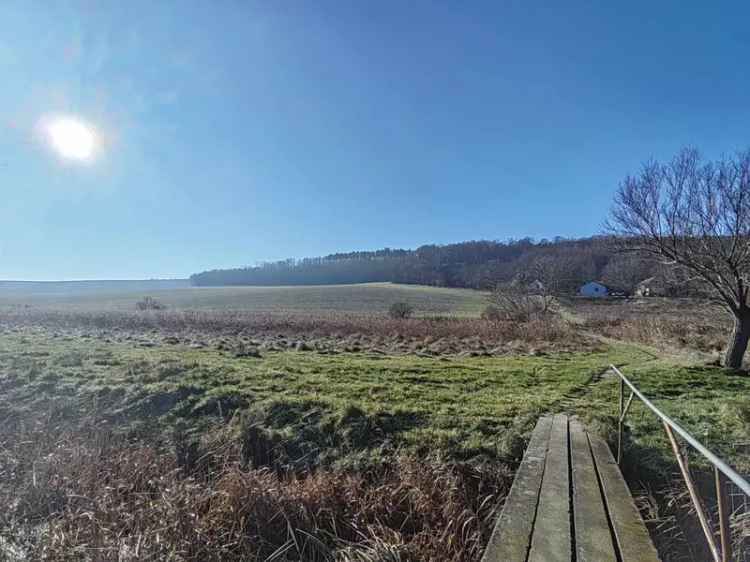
(337, 405)
(710, 402)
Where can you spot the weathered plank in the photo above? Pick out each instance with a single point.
(512, 534)
(592, 534)
(630, 532)
(551, 538)
(568, 475)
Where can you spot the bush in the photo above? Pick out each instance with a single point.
(491, 313)
(400, 310)
(515, 304)
(149, 303)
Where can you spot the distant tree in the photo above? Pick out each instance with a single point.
(678, 281)
(695, 215)
(625, 271)
(519, 303)
(400, 310)
(537, 284)
(149, 303)
(555, 273)
(478, 264)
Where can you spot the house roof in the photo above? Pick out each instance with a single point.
(648, 281)
(597, 283)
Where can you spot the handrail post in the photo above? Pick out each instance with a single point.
(723, 473)
(727, 470)
(693, 495)
(620, 421)
(724, 529)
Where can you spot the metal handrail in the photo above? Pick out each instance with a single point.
(722, 471)
(728, 471)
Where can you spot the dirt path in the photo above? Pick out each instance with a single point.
(571, 399)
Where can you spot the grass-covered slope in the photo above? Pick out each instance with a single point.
(361, 298)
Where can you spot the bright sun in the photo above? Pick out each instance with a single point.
(72, 138)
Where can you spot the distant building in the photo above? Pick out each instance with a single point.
(593, 289)
(651, 287)
(536, 287)
(643, 289)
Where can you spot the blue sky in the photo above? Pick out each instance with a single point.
(235, 132)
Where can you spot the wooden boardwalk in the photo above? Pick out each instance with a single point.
(569, 502)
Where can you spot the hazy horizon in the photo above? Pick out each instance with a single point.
(50, 281)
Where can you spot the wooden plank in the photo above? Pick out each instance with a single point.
(592, 534)
(512, 534)
(630, 532)
(551, 538)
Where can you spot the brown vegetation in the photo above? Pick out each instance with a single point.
(149, 303)
(331, 332)
(518, 305)
(80, 492)
(687, 324)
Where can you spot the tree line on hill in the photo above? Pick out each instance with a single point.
(479, 264)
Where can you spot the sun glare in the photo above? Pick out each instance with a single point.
(72, 138)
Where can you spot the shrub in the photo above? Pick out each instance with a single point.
(149, 303)
(492, 313)
(400, 310)
(515, 304)
(200, 502)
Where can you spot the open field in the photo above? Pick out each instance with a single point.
(363, 298)
(61, 288)
(328, 319)
(207, 419)
(297, 434)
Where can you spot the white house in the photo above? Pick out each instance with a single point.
(593, 289)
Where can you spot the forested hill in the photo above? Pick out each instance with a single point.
(475, 264)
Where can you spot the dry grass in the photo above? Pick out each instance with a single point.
(659, 322)
(668, 511)
(79, 493)
(442, 335)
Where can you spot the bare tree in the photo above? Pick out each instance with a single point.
(544, 275)
(625, 271)
(400, 310)
(695, 215)
(532, 293)
(512, 302)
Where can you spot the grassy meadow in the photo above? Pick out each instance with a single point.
(268, 424)
(456, 406)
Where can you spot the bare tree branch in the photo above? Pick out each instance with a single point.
(696, 215)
